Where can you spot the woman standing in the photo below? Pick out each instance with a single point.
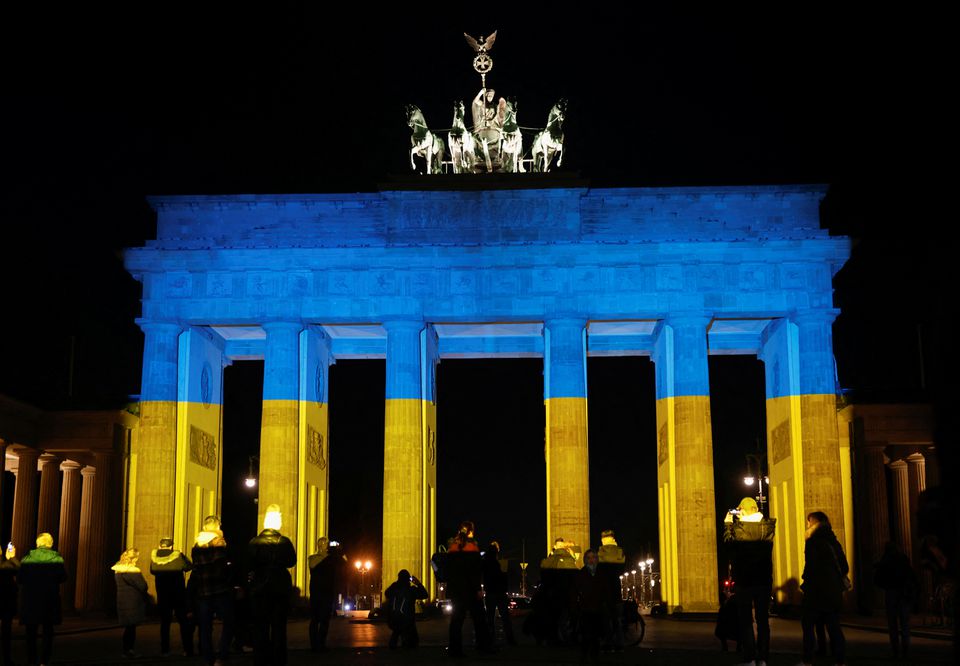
(132, 597)
(9, 565)
(823, 586)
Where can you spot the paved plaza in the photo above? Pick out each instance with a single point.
(667, 641)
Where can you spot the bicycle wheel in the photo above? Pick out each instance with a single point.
(633, 632)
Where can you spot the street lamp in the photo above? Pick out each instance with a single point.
(251, 480)
(760, 480)
(363, 568)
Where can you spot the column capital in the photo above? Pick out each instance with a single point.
(897, 464)
(281, 325)
(916, 457)
(685, 319)
(26, 453)
(88, 470)
(412, 324)
(70, 466)
(159, 327)
(47, 458)
(814, 317)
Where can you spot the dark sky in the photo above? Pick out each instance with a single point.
(101, 108)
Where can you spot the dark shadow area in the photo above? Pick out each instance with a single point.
(739, 422)
(490, 439)
(623, 453)
(242, 410)
(356, 458)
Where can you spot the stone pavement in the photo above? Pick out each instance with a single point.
(667, 641)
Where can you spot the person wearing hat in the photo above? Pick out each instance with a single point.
(211, 588)
(402, 597)
(748, 536)
(270, 556)
(168, 565)
(464, 589)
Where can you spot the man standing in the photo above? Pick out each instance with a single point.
(749, 538)
(41, 573)
(464, 589)
(495, 592)
(270, 555)
(590, 596)
(168, 565)
(211, 585)
(326, 570)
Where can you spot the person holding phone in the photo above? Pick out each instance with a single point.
(402, 598)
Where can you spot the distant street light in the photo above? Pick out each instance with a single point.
(251, 480)
(363, 568)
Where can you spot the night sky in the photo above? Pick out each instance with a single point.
(101, 109)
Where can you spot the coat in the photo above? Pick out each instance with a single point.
(590, 592)
(168, 566)
(269, 556)
(132, 595)
(8, 587)
(750, 547)
(402, 596)
(212, 569)
(40, 577)
(823, 571)
(326, 571)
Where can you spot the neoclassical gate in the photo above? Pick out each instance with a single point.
(416, 276)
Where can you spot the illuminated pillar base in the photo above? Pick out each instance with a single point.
(403, 498)
(156, 454)
(279, 461)
(568, 471)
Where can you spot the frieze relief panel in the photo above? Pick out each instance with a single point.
(781, 442)
(663, 446)
(203, 448)
(315, 448)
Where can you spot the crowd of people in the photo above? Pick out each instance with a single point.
(579, 597)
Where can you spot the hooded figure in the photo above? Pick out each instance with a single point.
(41, 574)
(168, 565)
(211, 589)
(270, 556)
(132, 597)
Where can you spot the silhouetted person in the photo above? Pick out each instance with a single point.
(590, 594)
(211, 587)
(402, 598)
(270, 555)
(899, 583)
(464, 575)
(749, 540)
(9, 566)
(495, 592)
(326, 571)
(132, 598)
(168, 566)
(41, 574)
(823, 572)
(611, 565)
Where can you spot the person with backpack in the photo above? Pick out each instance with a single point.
(899, 582)
(211, 586)
(168, 565)
(464, 573)
(270, 556)
(402, 598)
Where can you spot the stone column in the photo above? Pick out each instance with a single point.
(156, 447)
(279, 428)
(24, 528)
(69, 542)
(99, 577)
(48, 514)
(82, 590)
(917, 483)
(567, 453)
(688, 549)
(402, 450)
(901, 505)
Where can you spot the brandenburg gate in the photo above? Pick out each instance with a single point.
(419, 275)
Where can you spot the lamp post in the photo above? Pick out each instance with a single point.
(364, 568)
(760, 479)
(251, 481)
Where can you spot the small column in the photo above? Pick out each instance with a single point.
(156, 448)
(688, 550)
(24, 528)
(69, 541)
(901, 505)
(100, 559)
(917, 483)
(48, 514)
(875, 513)
(567, 452)
(279, 427)
(402, 450)
(81, 593)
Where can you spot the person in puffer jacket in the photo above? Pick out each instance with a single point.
(270, 555)
(749, 540)
(168, 566)
(211, 588)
